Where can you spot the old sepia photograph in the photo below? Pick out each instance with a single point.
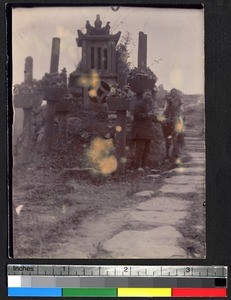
(108, 133)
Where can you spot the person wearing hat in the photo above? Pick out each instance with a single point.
(142, 128)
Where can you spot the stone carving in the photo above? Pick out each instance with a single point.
(89, 27)
(98, 29)
(98, 22)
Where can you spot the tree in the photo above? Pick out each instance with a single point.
(122, 59)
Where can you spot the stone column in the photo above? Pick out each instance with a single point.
(62, 128)
(102, 59)
(84, 57)
(113, 58)
(95, 57)
(88, 56)
(51, 105)
(142, 50)
(27, 112)
(54, 66)
(28, 72)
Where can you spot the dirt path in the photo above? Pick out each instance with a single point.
(151, 227)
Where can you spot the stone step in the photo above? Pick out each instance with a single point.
(192, 164)
(195, 150)
(187, 135)
(164, 204)
(196, 155)
(186, 179)
(195, 145)
(198, 150)
(137, 243)
(190, 140)
(198, 160)
(153, 218)
(180, 189)
(192, 170)
(193, 138)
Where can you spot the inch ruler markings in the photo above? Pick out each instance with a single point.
(117, 281)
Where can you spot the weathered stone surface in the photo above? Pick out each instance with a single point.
(145, 194)
(178, 189)
(195, 148)
(163, 242)
(198, 163)
(197, 154)
(192, 164)
(192, 138)
(166, 204)
(191, 131)
(195, 143)
(157, 218)
(186, 179)
(186, 170)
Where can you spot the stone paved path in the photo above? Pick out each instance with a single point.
(150, 228)
(163, 213)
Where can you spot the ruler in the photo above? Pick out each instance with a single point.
(116, 281)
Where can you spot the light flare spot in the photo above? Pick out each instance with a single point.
(169, 137)
(94, 80)
(123, 160)
(181, 170)
(124, 59)
(129, 60)
(178, 161)
(100, 155)
(118, 128)
(83, 81)
(108, 165)
(92, 93)
(179, 126)
(112, 89)
(161, 118)
(127, 148)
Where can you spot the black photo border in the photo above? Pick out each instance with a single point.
(218, 134)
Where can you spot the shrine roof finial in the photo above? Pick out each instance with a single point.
(97, 31)
(98, 22)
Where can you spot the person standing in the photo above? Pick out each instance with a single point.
(173, 124)
(142, 128)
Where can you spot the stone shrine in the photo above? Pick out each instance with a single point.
(98, 56)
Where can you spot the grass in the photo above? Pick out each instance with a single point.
(193, 230)
(53, 209)
(50, 214)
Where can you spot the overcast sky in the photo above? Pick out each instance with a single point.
(175, 40)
